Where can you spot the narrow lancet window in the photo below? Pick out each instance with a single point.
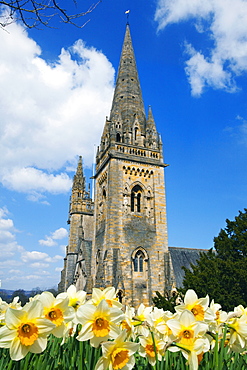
(138, 261)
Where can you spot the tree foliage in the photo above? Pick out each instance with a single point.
(23, 298)
(33, 13)
(168, 301)
(222, 272)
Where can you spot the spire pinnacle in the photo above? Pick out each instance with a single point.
(127, 100)
(79, 179)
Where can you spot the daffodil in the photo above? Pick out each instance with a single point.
(185, 328)
(99, 323)
(238, 333)
(216, 325)
(108, 294)
(192, 351)
(128, 323)
(76, 298)
(157, 320)
(15, 303)
(3, 308)
(25, 331)
(117, 354)
(198, 306)
(151, 347)
(58, 311)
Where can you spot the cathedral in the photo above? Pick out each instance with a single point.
(119, 238)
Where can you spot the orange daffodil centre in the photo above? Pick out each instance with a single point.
(25, 330)
(99, 323)
(118, 354)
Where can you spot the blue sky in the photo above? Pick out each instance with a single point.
(56, 90)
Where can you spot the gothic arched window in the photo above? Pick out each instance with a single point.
(136, 195)
(138, 261)
(118, 137)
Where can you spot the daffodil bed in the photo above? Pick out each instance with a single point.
(70, 332)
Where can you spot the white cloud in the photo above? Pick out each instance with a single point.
(226, 28)
(39, 256)
(35, 256)
(29, 178)
(38, 265)
(60, 233)
(49, 241)
(8, 244)
(48, 111)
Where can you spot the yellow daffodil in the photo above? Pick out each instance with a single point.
(108, 294)
(117, 354)
(198, 306)
(58, 311)
(25, 331)
(151, 344)
(99, 323)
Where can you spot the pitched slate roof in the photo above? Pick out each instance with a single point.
(183, 257)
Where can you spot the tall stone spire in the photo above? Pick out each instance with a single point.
(127, 102)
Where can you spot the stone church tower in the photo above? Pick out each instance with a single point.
(120, 240)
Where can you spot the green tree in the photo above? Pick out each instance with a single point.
(168, 301)
(222, 273)
(22, 296)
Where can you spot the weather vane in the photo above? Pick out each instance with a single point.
(127, 14)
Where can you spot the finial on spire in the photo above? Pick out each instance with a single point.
(127, 15)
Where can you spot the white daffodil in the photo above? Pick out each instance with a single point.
(198, 306)
(25, 331)
(108, 294)
(128, 323)
(152, 347)
(216, 325)
(99, 323)
(117, 354)
(76, 298)
(186, 329)
(193, 351)
(238, 332)
(140, 320)
(15, 303)
(3, 308)
(157, 320)
(58, 311)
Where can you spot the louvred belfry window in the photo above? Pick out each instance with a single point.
(136, 195)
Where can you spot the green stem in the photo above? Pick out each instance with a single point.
(155, 351)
